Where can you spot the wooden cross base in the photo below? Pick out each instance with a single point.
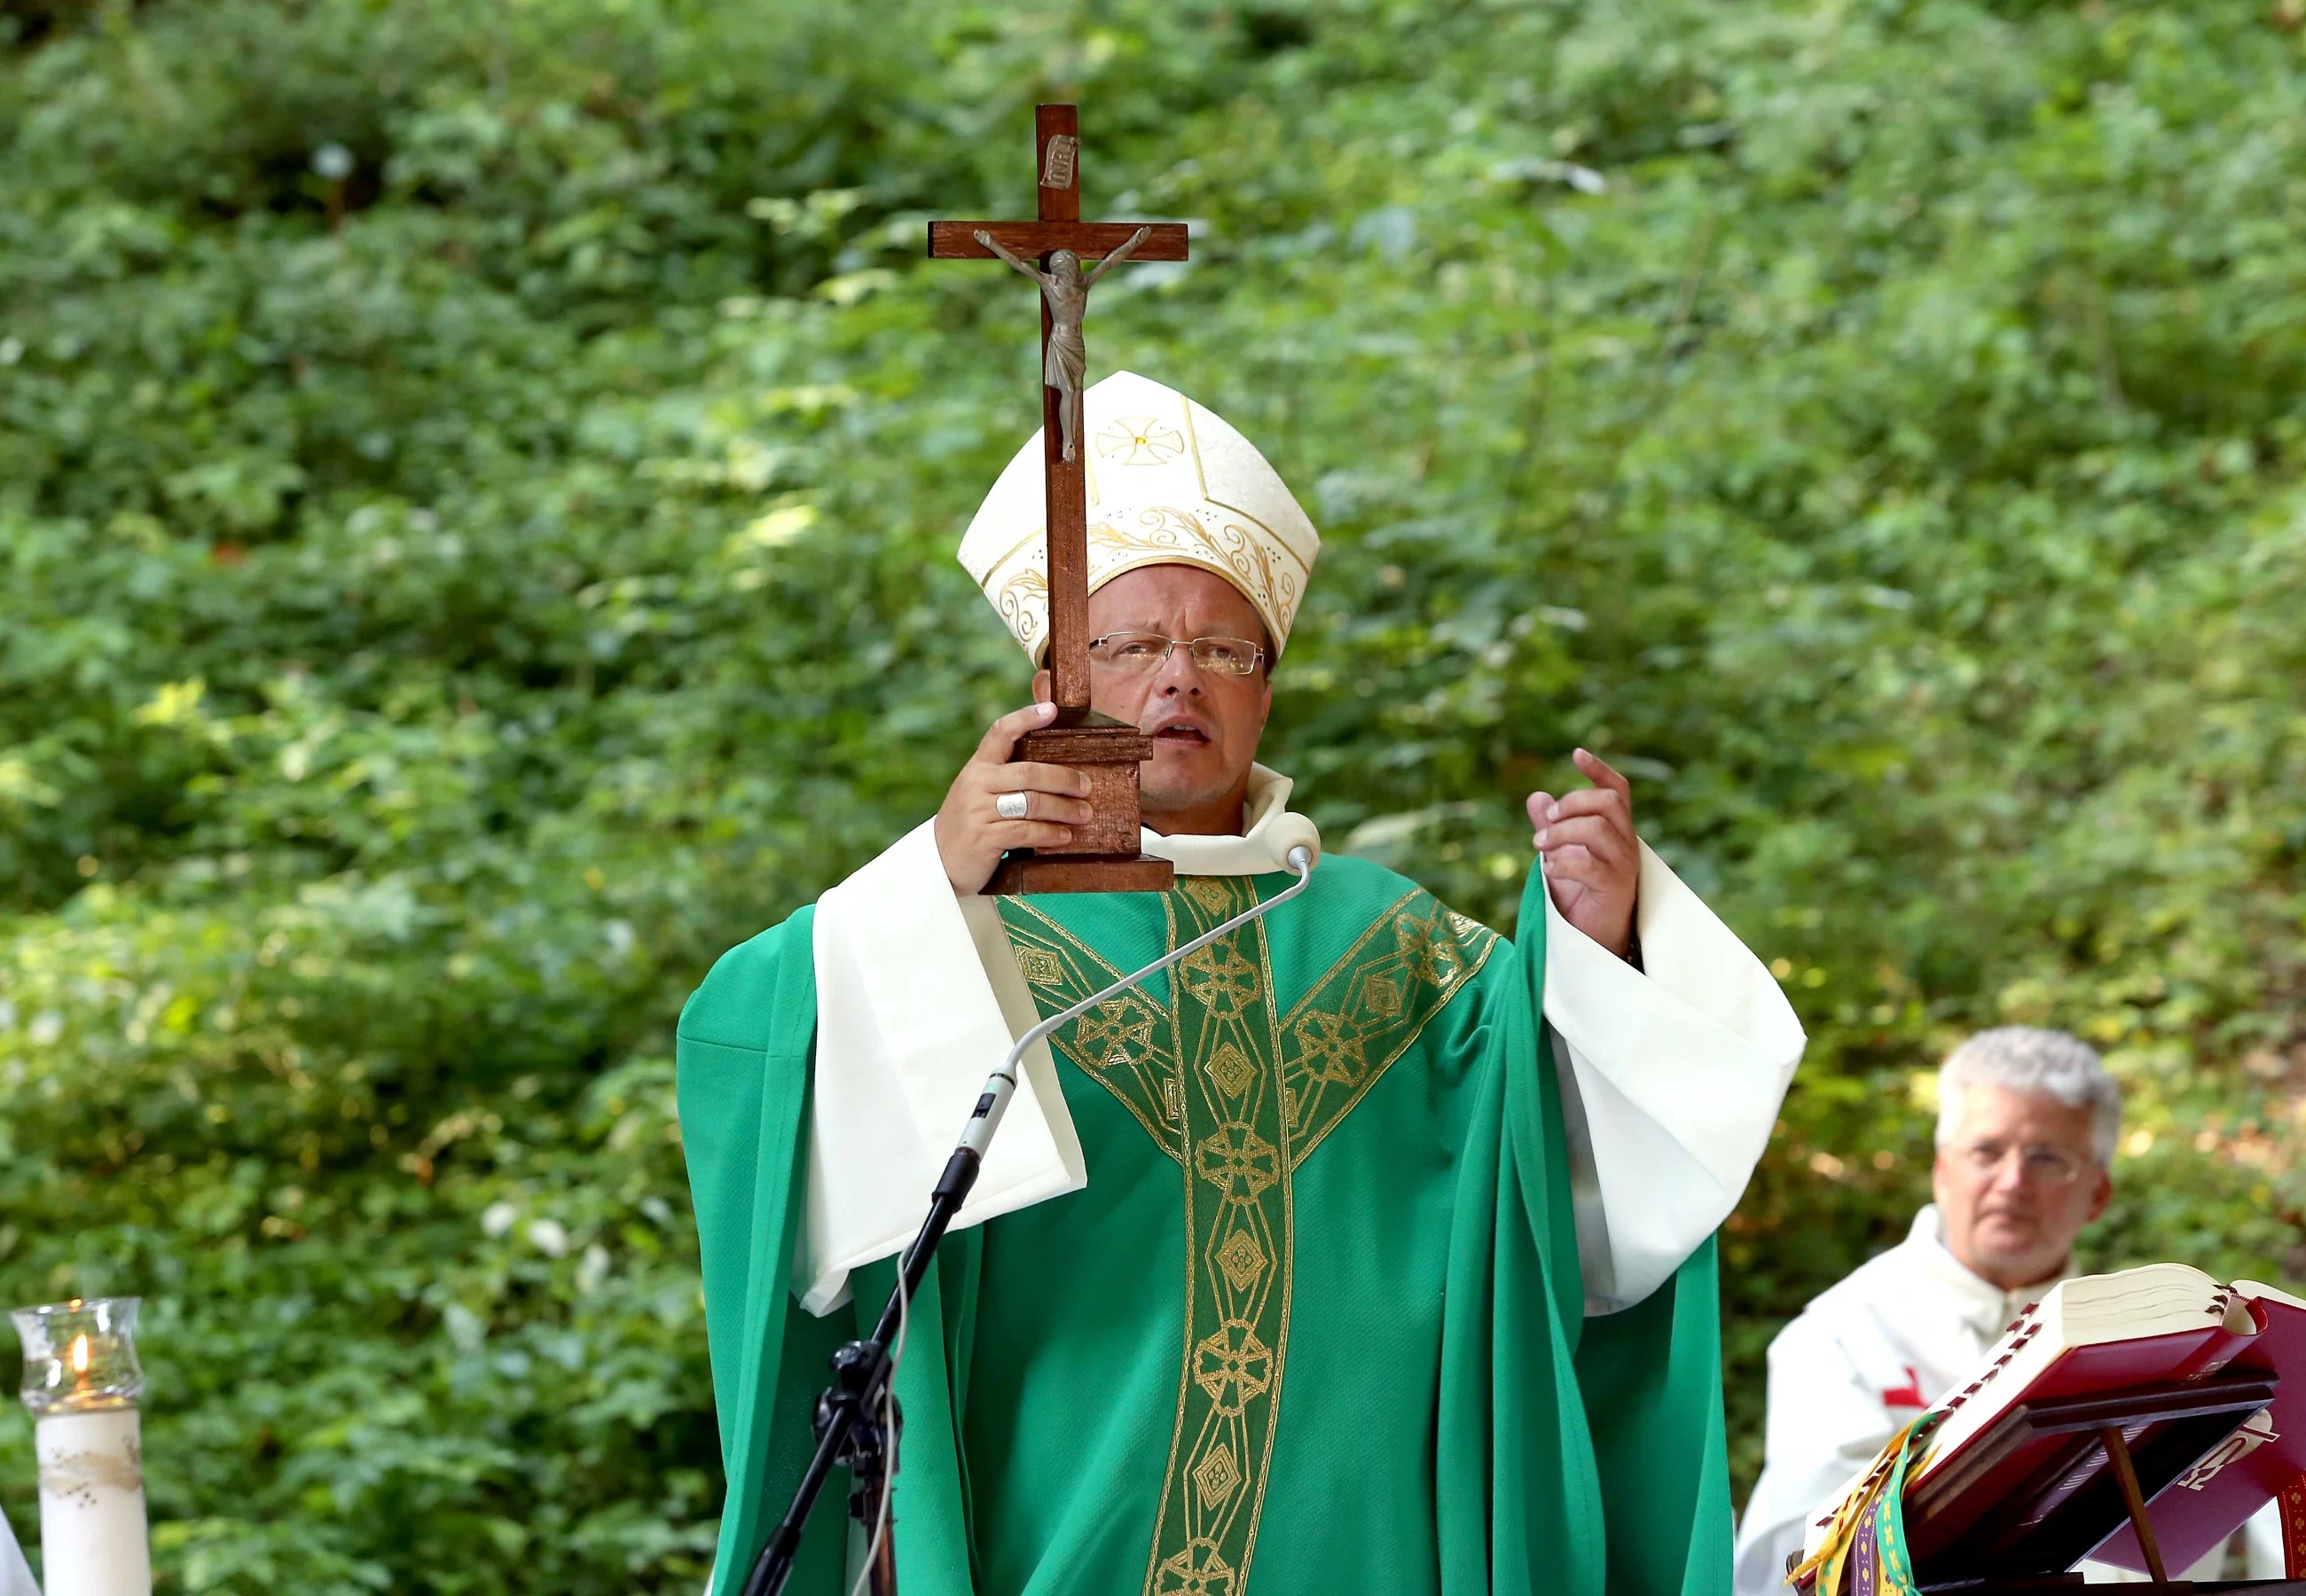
(1104, 856)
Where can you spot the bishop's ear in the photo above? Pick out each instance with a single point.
(1040, 686)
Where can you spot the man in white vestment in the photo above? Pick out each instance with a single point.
(2028, 1121)
(1674, 1044)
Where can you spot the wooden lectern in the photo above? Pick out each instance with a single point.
(2013, 1512)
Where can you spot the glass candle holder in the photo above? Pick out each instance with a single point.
(80, 1356)
(81, 1380)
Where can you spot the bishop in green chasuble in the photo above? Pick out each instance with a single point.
(1364, 1250)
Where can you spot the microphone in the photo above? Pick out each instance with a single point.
(1293, 833)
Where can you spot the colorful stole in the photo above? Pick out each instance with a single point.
(1867, 1541)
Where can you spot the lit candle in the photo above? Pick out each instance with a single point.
(81, 1380)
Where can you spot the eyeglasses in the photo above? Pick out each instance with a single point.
(1147, 651)
(2041, 1163)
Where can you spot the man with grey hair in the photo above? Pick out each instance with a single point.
(2028, 1121)
(2027, 1125)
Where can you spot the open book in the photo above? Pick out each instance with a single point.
(2206, 1382)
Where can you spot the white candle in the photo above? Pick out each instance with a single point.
(92, 1538)
(81, 1380)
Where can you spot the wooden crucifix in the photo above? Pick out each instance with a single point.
(1104, 856)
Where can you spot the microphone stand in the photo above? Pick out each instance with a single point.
(849, 1426)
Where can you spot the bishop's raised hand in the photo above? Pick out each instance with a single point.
(1593, 860)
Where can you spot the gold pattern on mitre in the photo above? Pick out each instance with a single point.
(1168, 483)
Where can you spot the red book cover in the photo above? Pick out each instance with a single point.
(2079, 1371)
(2104, 1366)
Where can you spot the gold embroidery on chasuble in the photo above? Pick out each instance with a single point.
(1238, 1094)
(1354, 1021)
(1127, 1045)
(1237, 1247)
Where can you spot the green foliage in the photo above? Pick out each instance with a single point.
(446, 603)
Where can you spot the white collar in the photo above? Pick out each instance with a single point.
(1988, 1307)
(1273, 829)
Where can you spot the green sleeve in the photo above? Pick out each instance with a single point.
(744, 1053)
(1519, 1510)
(1651, 1376)
(1578, 1456)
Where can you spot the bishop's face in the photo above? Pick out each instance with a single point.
(1205, 725)
(2002, 1184)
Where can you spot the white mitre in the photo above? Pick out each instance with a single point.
(1169, 483)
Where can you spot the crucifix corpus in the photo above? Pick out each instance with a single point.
(1104, 856)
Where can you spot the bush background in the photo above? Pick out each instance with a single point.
(443, 606)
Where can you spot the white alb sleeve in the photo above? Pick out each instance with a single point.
(918, 999)
(1672, 1076)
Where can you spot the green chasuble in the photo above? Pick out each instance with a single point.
(1315, 1325)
